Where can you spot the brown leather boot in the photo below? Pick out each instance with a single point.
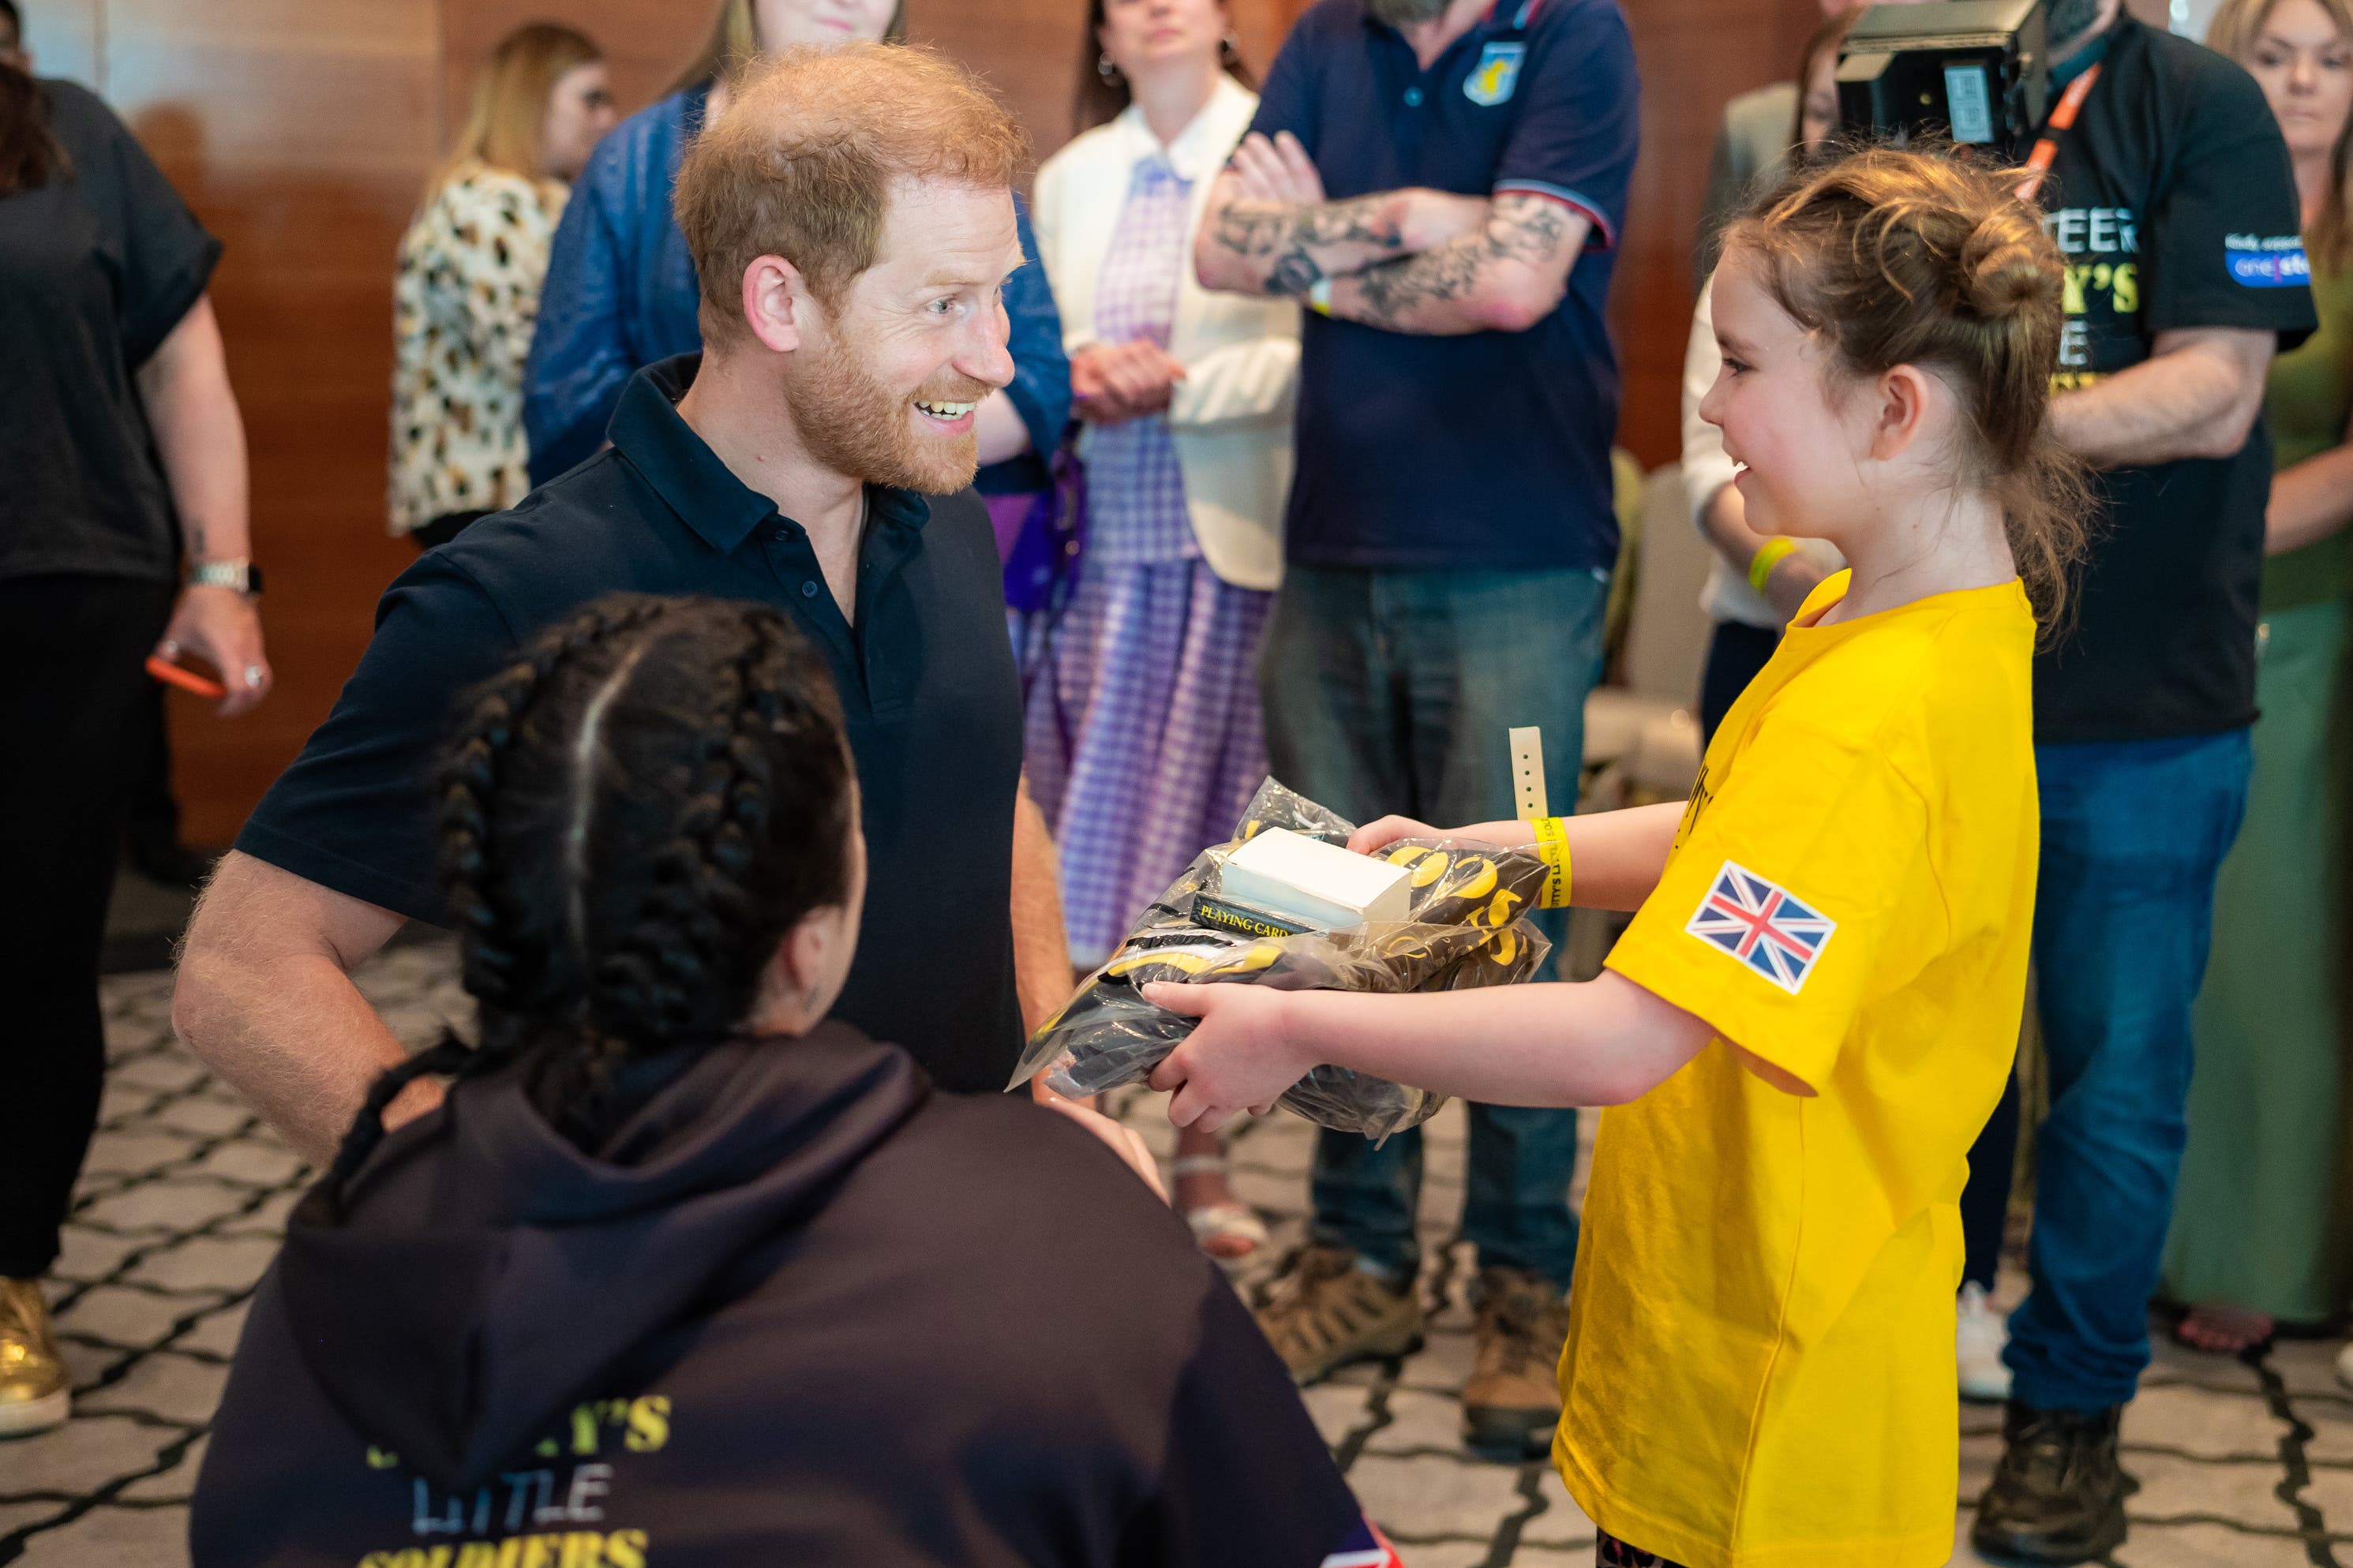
(1512, 1402)
(1327, 1312)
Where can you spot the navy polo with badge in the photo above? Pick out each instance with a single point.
(925, 677)
(1489, 450)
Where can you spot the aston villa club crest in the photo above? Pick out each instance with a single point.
(1497, 74)
(1751, 919)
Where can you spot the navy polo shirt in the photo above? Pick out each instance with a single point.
(925, 677)
(1490, 449)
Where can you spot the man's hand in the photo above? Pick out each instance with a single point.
(1276, 171)
(1238, 1060)
(220, 626)
(1123, 1141)
(1111, 382)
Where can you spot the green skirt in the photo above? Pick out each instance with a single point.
(2259, 1221)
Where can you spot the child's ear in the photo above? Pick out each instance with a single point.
(1901, 398)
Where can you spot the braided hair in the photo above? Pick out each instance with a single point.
(632, 818)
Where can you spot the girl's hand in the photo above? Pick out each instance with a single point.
(1238, 1060)
(1375, 836)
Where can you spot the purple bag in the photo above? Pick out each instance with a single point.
(1041, 537)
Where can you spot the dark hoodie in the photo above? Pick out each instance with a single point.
(798, 1309)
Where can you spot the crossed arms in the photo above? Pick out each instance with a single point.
(1411, 260)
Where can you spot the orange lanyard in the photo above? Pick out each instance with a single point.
(2046, 150)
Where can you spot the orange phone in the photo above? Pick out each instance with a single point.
(171, 674)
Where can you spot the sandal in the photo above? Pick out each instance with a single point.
(1231, 1232)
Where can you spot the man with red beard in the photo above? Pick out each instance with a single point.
(852, 221)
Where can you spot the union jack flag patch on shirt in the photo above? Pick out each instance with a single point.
(1365, 1547)
(1761, 925)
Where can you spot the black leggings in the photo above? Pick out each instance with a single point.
(73, 710)
(1734, 655)
(1612, 1553)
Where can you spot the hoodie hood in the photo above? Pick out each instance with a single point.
(487, 1273)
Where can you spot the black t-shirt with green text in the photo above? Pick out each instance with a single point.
(2174, 202)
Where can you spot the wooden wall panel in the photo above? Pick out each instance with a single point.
(300, 131)
(1695, 55)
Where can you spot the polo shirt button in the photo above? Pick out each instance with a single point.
(1413, 98)
(808, 590)
(782, 535)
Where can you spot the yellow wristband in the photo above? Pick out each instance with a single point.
(1552, 849)
(1319, 296)
(1761, 564)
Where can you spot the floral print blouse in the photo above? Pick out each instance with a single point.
(464, 301)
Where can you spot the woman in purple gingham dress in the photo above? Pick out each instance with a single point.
(1144, 741)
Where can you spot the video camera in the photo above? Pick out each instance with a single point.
(1970, 71)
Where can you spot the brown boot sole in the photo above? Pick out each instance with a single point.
(1392, 1349)
(1507, 1435)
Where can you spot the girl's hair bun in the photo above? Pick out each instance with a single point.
(2005, 265)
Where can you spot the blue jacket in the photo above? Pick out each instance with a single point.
(621, 294)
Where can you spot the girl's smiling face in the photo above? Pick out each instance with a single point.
(1774, 401)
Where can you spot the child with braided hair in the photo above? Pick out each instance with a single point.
(1817, 1004)
(682, 1271)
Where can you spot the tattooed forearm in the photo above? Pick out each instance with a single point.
(1448, 290)
(1286, 249)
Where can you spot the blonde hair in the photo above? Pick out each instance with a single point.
(1922, 258)
(802, 162)
(2233, 32)
(508, 117)
(734, 42)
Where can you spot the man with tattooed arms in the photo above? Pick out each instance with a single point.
(1441, 181)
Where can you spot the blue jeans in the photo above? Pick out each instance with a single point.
(1391, 691)
(2133, 834)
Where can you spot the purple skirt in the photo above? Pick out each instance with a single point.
(1143, 740)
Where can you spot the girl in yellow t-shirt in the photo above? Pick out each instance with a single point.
(1816, 1006)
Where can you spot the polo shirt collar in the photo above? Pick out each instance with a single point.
(690, 479)
(1500, 17)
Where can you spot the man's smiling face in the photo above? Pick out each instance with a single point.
(886, 382)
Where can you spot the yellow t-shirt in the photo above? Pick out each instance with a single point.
(1759, 1366)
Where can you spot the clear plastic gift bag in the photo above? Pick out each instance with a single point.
(1467, 927)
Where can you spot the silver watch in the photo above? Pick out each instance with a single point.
(242, 575)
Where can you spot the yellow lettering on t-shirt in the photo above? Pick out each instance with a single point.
(649, 1422)
(582, 1548)
(625, 1549)
(478, 1554)
(540, 1551)
(2127, 294)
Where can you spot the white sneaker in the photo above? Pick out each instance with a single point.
(1978, 1342)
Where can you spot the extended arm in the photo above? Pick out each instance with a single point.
(2197, 396)
(1603, 1042)
(1041, 950)
(200, 436)
(264, 997)
(1615, 857)
(1505, 276)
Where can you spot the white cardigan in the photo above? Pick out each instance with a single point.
(1232, 415)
